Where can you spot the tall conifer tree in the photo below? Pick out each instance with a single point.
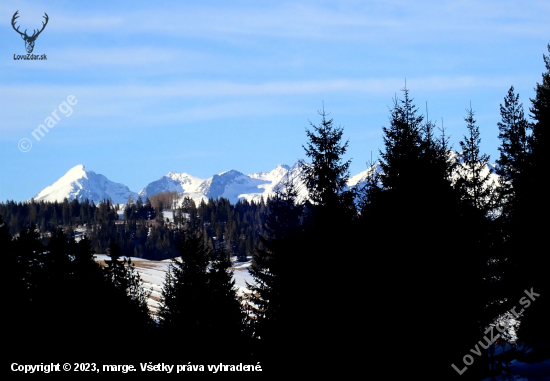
(327, 175)
(410, 222)
(530, 226)
(183, 313)
(475, 173)
(271, 299)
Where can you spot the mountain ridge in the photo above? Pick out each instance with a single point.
(81, 183)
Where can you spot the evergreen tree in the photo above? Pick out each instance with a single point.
(115, 270)
(540, 112)
(514, 189)
(402, 141)
(125, 296)
(122, 274)
(327, 175)
(514, 151)
(183, 313)
(270, 304)
(227, 316)
(404, 233)
(474, 174)
(479, 197)
(325, 236)
(528, 235)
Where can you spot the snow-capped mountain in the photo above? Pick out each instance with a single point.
(81, 184)
(231, 184)
(173, 181)
(277, 178)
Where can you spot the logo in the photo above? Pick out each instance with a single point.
(29, 40)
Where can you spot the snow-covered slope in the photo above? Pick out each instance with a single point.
(153, 274)
(361, 177)
(82, 184)
(277, 178)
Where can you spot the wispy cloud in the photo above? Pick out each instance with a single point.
(146, 105)
(365, 21)
(206, 88)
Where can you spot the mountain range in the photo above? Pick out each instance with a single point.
(81, 183)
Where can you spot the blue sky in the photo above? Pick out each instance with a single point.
(207, 86)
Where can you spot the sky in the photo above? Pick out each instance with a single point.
(203, 87)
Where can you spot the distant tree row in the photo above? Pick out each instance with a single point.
(48, 216)
(236, 228)
(144, 232)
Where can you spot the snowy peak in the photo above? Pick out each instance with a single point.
(230, 174)
(278, 173)
(75, 173)
(184, 178)
(79, 183)
(172, 182)
(216, 185)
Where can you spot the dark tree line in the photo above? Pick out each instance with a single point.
(47, 216)
(236, 228)
(62, 303)
(144, 232)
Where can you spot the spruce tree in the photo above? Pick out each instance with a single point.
(540, 112)
(127, 297)
(479, 201)
(402, 141)
(474, 180)
(530, 231)
(270, 304)
(115, 270)
(514, 151)
(327, 175)
(325, 238)
(183, 313)
(227, 316)
(514, 189)
(407, 231)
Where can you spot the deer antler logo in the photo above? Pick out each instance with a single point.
(29, 40)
